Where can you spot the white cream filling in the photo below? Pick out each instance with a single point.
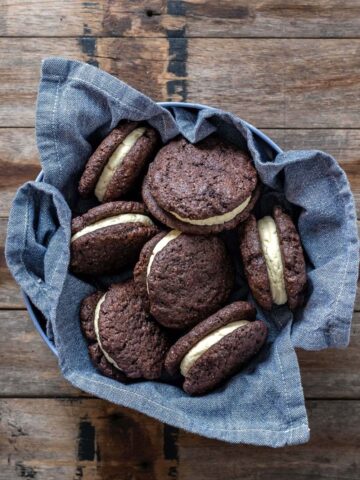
(218, 219)
(115, 161)
(115, 220)
(271, 249)
(96, 326)
(160, 246)
(201, 347)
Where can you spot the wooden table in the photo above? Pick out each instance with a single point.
(292, 69)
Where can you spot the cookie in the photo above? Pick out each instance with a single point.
(97, 357)
(216, 348)
(273, 260)
(292, 255)
(118, 161)
(203, 188)
(109, 237)
(183, 278)
(123, 340)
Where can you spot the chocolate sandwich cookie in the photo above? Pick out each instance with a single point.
(183, 278)
(203, 188)
(109, 237)
(87, 312)
(123, 341)
(273, 260)
(118, 161)
(216, 348)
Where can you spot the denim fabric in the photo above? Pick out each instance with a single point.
(264, 404)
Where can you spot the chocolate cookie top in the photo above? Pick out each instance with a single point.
(273, 260)
(183, 278)
(208, 186)
(173, 222)
(130, 341)
(293, 258)
(231, 313)
(216, 348)
(225, 358)
(109, 237)
(118, 161)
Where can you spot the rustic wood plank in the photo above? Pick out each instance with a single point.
(278, 83)
(331, 453)
(28, 368)
(71, 439)
(193, 18)
(342, 144)
(19, 160)
(10, 295)
(333, 373)
(273, 83)
(92, 439)
(140, 62)
(19, 163)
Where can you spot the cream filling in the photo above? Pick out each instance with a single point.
(218, 219)
(160, 246)
(271, 249)
(207, 342)
(96, 326)
(115, 220)
(116, 160)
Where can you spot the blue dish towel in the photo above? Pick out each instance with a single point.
(77, 106)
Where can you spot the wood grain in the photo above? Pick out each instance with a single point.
(278, 83)
(10, 296)
(326, 374)
(193, 18)
(137, 61)
(91, 439)
(19, 163)
(273, 83)
(27, 367)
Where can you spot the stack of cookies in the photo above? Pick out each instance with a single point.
(173, 320)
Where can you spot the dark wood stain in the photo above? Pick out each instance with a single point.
(86, 438)
(170, 442)
(79, 472)
(23, 471)
(170, 449)
(127, 449)
(114, 25)
(178, 44)
(87, 29)
(90, 4)
(88, 47)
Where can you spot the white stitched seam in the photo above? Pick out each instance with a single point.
(86, 380)
(342, 283)
(285, 390)
(53, 126)
(58, 161)
(108, 94)
(26, 224)
(105, 92)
